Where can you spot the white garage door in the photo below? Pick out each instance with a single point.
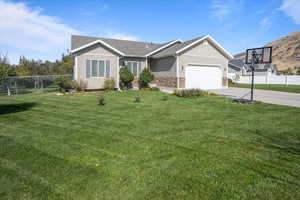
(203, 77)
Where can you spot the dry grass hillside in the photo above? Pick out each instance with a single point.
(286, 52)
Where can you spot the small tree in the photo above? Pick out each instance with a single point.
(101, 100)
(126, 78)
(145, 78)
(5, 69)
(109, 84)
(298, 72)
(64, 84)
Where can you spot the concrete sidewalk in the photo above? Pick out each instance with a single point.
(267, 96)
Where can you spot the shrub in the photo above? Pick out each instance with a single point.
(101, 100)
(230, 82)
(79, 86)
(65, 84)
(145, 78)
(165, 98)
(109, 84)
(137, 99)
(191, 93)
(126, 78)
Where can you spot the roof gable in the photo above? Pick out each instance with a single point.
(179, 48)
(123, 47)
(143, 49)
(172, 50)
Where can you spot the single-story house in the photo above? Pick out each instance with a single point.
(297, 67)
(239, 67)
(198, 63)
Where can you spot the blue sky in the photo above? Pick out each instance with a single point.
(41, 29)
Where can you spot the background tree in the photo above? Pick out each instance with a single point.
(63, 66)
(5, 68)
(32, 67)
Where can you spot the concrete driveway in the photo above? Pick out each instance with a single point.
(267, 96)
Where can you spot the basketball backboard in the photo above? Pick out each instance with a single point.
(259, 55)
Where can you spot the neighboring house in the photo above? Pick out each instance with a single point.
(197, 63)
(238, 67)
(297, 67)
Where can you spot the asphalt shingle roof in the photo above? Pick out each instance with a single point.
(237, 62)
(132, 48)
(259, 67)
(172, 50)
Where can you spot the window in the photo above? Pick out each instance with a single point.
(101, 69)
(134, 67)
(97, 68)
(94, 68)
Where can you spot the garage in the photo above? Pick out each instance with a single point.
(203, 77)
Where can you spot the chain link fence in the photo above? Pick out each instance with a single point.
(29, 84)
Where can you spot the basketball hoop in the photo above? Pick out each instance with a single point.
(259, 55)
(256, 56)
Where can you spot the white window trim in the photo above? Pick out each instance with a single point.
(91, 73)
(137, 70)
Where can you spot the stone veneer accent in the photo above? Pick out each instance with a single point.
(135, 82)
(225, 81)
(166, 81)
(181, 82)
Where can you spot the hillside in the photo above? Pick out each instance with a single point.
(286, 51)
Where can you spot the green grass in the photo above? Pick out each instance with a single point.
(281, 88)
(67, 147)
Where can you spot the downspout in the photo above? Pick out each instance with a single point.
(76, 68)
(177, 71)
(118, 73)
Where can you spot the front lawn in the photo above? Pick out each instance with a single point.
(281, 88)
(67, 147)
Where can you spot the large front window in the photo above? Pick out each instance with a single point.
(98, 69)
(133, 67)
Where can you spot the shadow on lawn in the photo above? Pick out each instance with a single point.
(284, 164)
(283, 145)
(14, 108)
(44, 172)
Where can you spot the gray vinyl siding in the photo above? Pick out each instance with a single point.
(163, 67)
(203, 54)
(96, 52)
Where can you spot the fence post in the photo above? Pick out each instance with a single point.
(42, 85)
(8, 89)
(16, 86)
(286, 80)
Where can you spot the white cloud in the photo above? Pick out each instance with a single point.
(26, 29)
(292, 9)
(265, 24)
(222, 9)
(120, 36)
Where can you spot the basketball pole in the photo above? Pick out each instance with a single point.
(252, 68)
